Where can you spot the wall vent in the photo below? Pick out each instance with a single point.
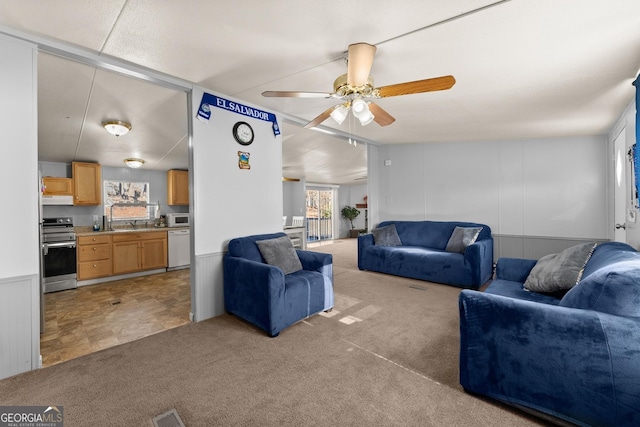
(168, 419)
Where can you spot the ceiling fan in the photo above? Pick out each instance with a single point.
(356, 90)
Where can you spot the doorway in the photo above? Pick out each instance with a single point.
(620, 188)
(85, 93)
(320, 207)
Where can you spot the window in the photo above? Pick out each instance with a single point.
(319, 214)
(126, 200)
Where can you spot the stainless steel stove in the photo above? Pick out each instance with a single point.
(59, 254)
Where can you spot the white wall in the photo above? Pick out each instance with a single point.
(554, 187)
(19, 161)
(228, 201)
(20, 249)
(294, 199)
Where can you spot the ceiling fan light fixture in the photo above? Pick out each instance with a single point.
(367, 118)
(361, 111)
(359, 106)
(340, 113)
(116, 127)
(133, 162)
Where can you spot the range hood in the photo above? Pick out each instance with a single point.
(57, 200)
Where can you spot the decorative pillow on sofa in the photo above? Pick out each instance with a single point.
(386, 236)
(558, 272)
(461, 238)
(280, 252)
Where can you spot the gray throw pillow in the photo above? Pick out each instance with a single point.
(558, 272)
(280, 252)
(386, 236)
(461, 238)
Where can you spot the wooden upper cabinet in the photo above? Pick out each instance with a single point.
(177, 187)
(57, 186)
(86, 183)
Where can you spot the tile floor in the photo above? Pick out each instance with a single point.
(91, 318)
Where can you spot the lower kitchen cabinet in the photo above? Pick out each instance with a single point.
(125, 257)
(94, 256)
(134, 252)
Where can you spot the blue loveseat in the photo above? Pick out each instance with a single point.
(263, 295)
(575, 357)
(422, 254)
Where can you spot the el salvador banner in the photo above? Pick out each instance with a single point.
(208, 101)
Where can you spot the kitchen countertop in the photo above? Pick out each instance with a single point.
(88, 230)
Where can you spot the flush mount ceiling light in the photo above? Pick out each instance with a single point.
(116, 127)
(133, 162)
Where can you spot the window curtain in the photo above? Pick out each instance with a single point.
(636, 151)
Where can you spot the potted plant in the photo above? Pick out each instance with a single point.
(351, 213)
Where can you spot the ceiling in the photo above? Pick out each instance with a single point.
(523, 69)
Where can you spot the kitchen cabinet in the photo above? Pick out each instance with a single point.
(177, 187)
(86, 183)
(57, 186)
(134, 252)
(94, 256)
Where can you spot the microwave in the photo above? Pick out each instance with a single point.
(178, 220)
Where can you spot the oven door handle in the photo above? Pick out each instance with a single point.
(59, 245)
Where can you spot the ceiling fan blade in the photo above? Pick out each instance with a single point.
(380, 116)
(359, 63)
(321, 118)
(419, 86)
(296, 94)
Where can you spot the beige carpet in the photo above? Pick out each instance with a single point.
(387, 355)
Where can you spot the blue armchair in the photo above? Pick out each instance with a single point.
(263, 295)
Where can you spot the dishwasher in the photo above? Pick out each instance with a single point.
(179, 248)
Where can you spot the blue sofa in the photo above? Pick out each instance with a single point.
(263, 295)
(575, 357)
(422, 254)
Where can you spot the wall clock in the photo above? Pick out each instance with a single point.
(243, 133)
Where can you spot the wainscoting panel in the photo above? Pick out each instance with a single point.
(532, 247)
(209, 295)
(19, 325)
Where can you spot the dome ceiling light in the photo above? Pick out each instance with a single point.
(116, 127)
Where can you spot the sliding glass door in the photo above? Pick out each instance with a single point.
(319, 214)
